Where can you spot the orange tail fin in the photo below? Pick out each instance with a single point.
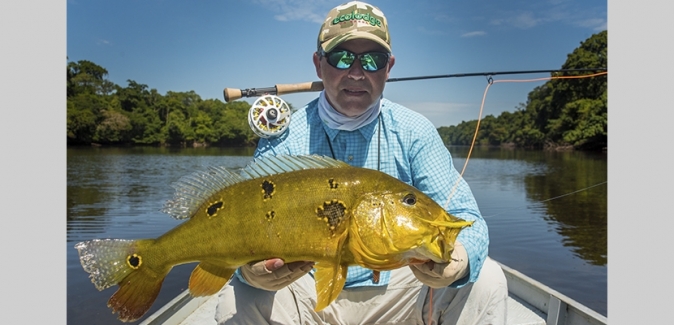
(121, 262)
(135, 295)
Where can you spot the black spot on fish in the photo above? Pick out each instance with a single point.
(134, 261)
(332, 212)
(270, 215)
(268, 189)
(333, 184)
(212, 210)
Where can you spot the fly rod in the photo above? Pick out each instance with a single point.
(282, 89)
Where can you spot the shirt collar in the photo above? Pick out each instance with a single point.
(366, 131)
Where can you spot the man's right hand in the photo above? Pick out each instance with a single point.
(273, 274)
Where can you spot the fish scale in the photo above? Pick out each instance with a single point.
(297, 208)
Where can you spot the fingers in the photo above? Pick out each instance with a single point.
(274, 274)
(273, 264)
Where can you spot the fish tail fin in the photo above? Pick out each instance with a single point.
(207, 279)
(120, 262)
(135, 295)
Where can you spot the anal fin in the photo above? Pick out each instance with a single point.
(207, 279)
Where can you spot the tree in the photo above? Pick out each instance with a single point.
(567, 111)
(86, 77)
(115, 127)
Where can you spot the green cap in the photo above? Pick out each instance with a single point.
(354, 20)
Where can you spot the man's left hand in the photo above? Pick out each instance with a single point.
(440, 275)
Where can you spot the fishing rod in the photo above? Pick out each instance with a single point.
(269, 115)
(282, 89)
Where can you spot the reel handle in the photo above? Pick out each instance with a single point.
(280, 89)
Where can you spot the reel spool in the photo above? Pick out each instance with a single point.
(269, 116)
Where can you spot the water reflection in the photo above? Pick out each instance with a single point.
(574, 192)
(535, 227)
(571, 187)
(111, 191)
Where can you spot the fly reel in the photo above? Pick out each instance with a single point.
(269, 116)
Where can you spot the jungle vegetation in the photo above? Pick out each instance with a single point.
(570, 113)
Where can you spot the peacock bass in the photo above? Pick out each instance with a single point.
(297, 208)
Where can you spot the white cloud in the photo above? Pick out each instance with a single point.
(597, 24)
(473, 34)
(557, 11)
(522, 20)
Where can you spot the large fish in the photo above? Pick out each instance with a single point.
(298, 208)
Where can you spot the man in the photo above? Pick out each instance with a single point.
(351, 121)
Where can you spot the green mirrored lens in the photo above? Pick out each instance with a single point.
(371, 61)
(341, 59)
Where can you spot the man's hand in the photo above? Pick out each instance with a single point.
(273, 274)
(440, 275)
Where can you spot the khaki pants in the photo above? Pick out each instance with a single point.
(403, 301)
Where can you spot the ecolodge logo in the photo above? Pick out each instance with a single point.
(354, 15)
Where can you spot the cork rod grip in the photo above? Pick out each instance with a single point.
(234, 93)
(298, 88)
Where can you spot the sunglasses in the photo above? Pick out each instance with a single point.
(343, 59)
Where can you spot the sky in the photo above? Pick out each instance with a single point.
(180, 46)
(206, 46)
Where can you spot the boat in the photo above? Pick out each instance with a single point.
(529, 303)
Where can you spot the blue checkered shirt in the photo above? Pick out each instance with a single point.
(408, 148)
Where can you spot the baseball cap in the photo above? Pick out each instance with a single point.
(354, 20)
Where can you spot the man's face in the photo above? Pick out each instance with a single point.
(353, 90)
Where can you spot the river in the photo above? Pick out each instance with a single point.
(546, 213)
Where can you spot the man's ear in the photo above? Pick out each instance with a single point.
(391, 62)
(317, 64)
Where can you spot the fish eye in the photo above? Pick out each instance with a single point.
(410, 199)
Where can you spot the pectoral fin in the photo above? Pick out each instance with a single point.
(330, 280)
(207, 279)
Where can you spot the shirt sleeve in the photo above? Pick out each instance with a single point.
(433, 173)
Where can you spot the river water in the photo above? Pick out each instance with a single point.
(546, 212)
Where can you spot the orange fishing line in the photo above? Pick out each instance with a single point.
(472, 144)
(479, 117)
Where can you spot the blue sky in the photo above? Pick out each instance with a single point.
(206, 46)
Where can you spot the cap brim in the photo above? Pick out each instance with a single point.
(331, 44)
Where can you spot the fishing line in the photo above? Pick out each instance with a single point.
(491, 81)
(547, 200)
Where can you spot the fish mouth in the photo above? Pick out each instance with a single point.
(435, 249)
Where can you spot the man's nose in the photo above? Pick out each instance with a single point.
(356, 71)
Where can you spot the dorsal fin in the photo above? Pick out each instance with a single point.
(193, 190)
(283, 164)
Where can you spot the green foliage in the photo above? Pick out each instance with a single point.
(115, 127)
(561, 112)
(99, 111)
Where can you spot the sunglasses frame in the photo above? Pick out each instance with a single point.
(358, 57)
